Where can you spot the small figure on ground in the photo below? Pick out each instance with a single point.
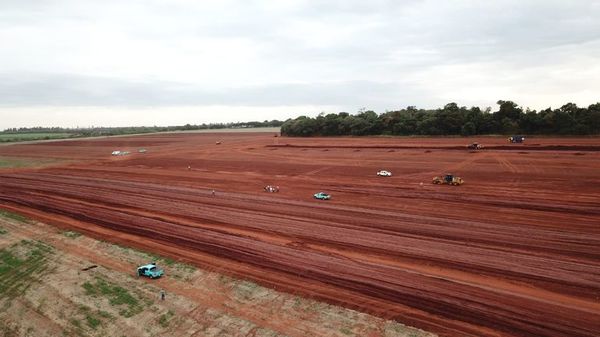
(189, 167)
(162, 295)
(213, 193)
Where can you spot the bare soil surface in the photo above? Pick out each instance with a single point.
(79, 286)
(515, 251)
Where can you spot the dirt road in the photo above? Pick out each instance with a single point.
(513, 252)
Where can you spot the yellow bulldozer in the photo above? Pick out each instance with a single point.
(448, 179)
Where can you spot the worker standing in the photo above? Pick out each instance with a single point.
(213, 193)
(162, 295)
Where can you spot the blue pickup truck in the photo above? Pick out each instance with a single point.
(322, 196)
(150, 270)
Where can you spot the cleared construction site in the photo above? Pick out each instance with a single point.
(512, 251)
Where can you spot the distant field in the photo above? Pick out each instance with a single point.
(227, 130)
(33, 136)
(20, 137)
(12, 162)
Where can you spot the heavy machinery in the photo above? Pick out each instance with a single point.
(384, 173)
(150, 270)
(271, 189)
(448, 179)
(474, 146)
(516, 139)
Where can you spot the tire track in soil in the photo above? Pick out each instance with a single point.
(215, 300)
(113, 212)
(520, 279)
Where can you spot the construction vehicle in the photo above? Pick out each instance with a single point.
(448, 179)
(322, 196)
(271, 188)
(150, 270)
(516, 139)
(384, 173)
(474, 146)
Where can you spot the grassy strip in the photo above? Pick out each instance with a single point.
(93, 318)
(164, 318)
(116, 295)
(20, 137)
(13, 216)
(20, 162)
(71, 234)
(20, 266)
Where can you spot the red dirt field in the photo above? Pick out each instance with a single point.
(515, 251)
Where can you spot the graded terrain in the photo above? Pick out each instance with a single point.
(61, 283)
(515, 251)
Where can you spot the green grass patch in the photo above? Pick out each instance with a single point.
(346, 331)
(105, 314)
(93, 318)
(20, 266)
(163, 320)
(20, 162)
(76, 323)
(92, 321)
(22, 137)
(71, 234)
(3, 231)
(13, 216)
(116, 295)
(245, 289)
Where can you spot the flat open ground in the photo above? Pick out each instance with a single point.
(515, 251)
(61, 283)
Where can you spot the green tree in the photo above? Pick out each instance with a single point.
(468, 129)
(531, 122)
(508, 109)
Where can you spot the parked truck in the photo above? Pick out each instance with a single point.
(150, 270)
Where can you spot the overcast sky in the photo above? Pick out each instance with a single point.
(125, 62)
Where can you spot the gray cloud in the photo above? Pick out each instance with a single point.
(68, 90)
(349, 54)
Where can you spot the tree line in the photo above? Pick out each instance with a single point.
(451, 120)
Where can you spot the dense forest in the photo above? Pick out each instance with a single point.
(452, 120)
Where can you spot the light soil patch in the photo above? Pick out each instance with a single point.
(67, 284)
